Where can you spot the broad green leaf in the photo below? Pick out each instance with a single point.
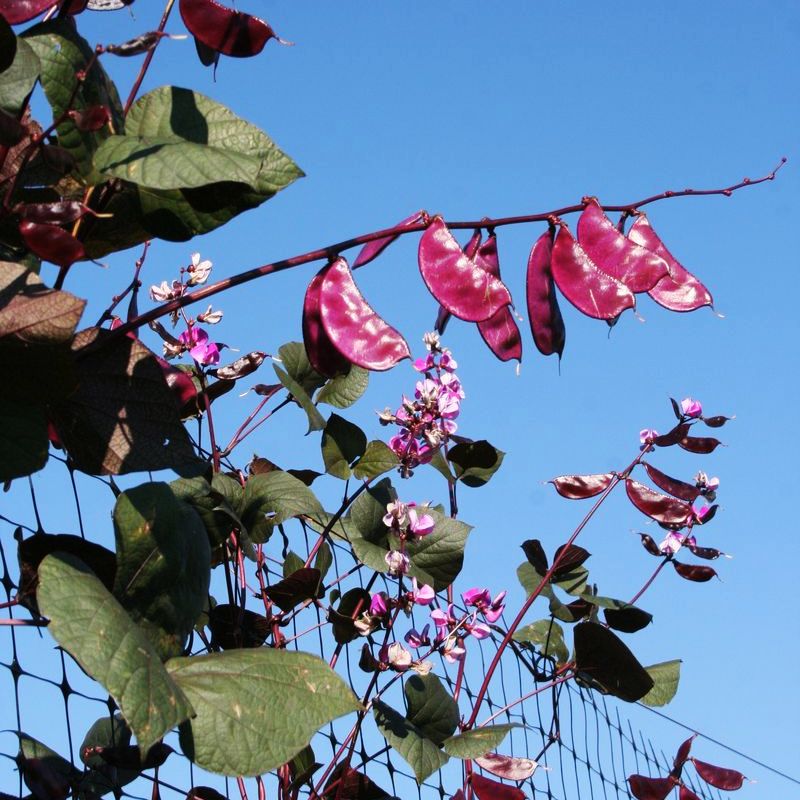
(163, 564)
(107, 731)
(176, 138)
(273, 497)
(343, 390)
(342, 443)
(436, 559)
(369, 509)
(324, 559)
(217, 515)
(62, 53)
(24, 443)
(548, 636)
(421, 754)
(477, 742)
(122, 417)
(292, 563)
(666, 677)
(475, 462)
(530, 580)
(295, 361)
(431, 707)
(377, 459)
(256, 709)
(316, 422)
(573, 582)
(439, 463)
(88, 622)
(352, 604)
(18, 80)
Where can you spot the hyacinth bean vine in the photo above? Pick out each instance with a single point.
(104, 176)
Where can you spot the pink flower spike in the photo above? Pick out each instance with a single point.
(377, 605)
(479, 630)
(416, 639)
(420, 524)
(424, 364)
(422, 595)
(691, 408)
(200, 349)
(476, 597)
(495, 610)
(397, 562)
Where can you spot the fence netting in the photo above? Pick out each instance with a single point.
(583, 741)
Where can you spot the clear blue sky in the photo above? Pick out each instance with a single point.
(475, 109)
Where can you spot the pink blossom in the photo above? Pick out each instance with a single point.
(161, 293)
(447, 362)
(420, 524)
(701, 514)
(424, 364)
(476, 597)
(496, 608)
(479, 630)
(416, 639)
(396, 656)
(198, 270)
(443, 620)
(210, 317)
(377, 605)
(449, 405)
(397, 562)
(452, 651)
(646, 435)
(691, 408)
(492, 610)
(195, 340)
(422, 595)
(674, 541)
(396, 515)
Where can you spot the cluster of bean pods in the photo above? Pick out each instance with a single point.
(599, 273)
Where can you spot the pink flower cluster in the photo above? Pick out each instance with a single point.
(428, 420)
(407, 523)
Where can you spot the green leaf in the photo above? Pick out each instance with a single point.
(122, 417)
(107, 731)
(176, 138)
(574, 581)
(18, 80)
(377, 459)
(343, 390)
(365, 528)
(421, 754)
(475, 462)
(342, 444)
(256, 709)
(62, 53)
(51, 769)
(431, 707)
(477, 742)
(273, 497)
(548, 636)
(316, 422)
(324, 560)
(295, 361)
(666, 677)
(163, 564)
(292, 563)
(342, 618)
(214, 510)
(436, 559)
(88, 622)
(439, 463)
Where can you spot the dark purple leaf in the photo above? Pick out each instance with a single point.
(694, 572)
(583, 283)
(685, 491)
(544, 315)
(301, 585)
(353, 603)
(44, 780)
(637, 267)
(462, 285)
(129, 757)
(352, 326)
(51, 243)
(346, 783)
(644, 788)
(579, 487)
(678, 291)
(232, 33)
(487, 789)
(568, 559)
(91, 119)
(659, 507)
(536, 555)
(627, 619)
(719, 777)
(371, 250)
(508, 767)
(243, 366)
(604, 658)
(673, 437)
(699, 444)
(233, 628)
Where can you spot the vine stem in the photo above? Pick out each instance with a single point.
(649, 581)
(332, 250)
(618, 477)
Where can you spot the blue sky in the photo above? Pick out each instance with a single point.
(471, 110)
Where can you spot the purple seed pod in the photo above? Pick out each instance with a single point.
(353, 327)
(637, 267)
(694, 572)
(583, 283)
(232, 33)
(371, 250)
(644, 788)
(579, 487)
(659, 507)
(719, 777)
(462, 285)
(685, 491)
(678, 291)
(51, 243)
(324, 357)
(544, 315)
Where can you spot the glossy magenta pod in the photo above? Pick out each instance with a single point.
(487, 789)
(579, 487)
(462, 285)
(443, 317)
(500, 331)
(679, 290)
(657, 506)
(324, 357)
(353, 327)
(583, 283)
(51, 243)
(232, 33)
(644, 788)
(18, 11)
(508, 767)
(682, 755)
(372, 250)
(544, 315)
(637, 267)
(685, 491)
